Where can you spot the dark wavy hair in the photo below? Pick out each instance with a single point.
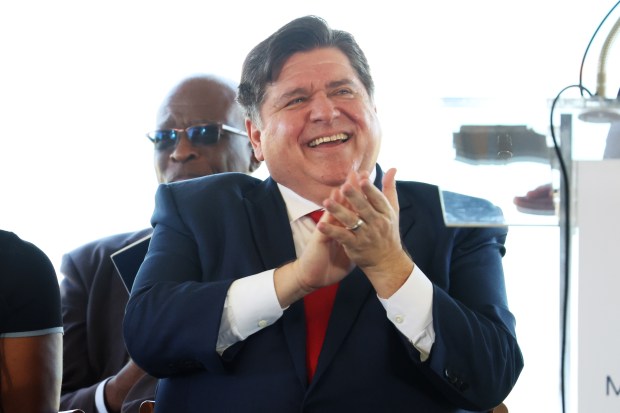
(264, 63)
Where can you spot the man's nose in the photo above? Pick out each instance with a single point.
(323, 108)
(184, 149)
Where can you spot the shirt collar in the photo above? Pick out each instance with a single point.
(296, 205)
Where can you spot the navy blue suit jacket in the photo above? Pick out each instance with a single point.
(210, 231)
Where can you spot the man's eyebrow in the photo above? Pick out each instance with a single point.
(294, 92)
(170, 123)
(303, 91)
(341, 82)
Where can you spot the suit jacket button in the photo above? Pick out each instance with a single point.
(452, 378)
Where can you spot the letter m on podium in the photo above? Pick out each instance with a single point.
(611, 386)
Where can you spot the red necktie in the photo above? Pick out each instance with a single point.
(318, 307)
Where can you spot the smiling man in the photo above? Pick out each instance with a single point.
(251, 301)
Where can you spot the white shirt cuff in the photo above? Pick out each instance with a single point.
(411, 310)
(251, 305)
(100, 397)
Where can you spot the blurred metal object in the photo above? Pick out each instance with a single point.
(496, 144)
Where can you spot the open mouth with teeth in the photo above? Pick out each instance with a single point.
(340, 137)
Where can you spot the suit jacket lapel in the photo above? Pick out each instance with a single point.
(270, 225)
(406, 219)
(353, 291)
(274, 239)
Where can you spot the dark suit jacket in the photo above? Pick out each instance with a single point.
(210, 231)
(93, 306)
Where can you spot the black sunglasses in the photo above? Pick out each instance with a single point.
(207, 134)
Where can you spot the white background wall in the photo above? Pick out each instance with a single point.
(80, 82)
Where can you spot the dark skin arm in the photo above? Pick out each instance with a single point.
(117, 388)
(31, 374)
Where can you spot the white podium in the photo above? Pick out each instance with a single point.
(595, 279)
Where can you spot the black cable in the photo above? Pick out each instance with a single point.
(566, 269)
(567, 211)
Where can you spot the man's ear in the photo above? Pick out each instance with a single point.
(254, 163)
(254, 134)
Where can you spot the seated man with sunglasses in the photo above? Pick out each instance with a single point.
(199, 133)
